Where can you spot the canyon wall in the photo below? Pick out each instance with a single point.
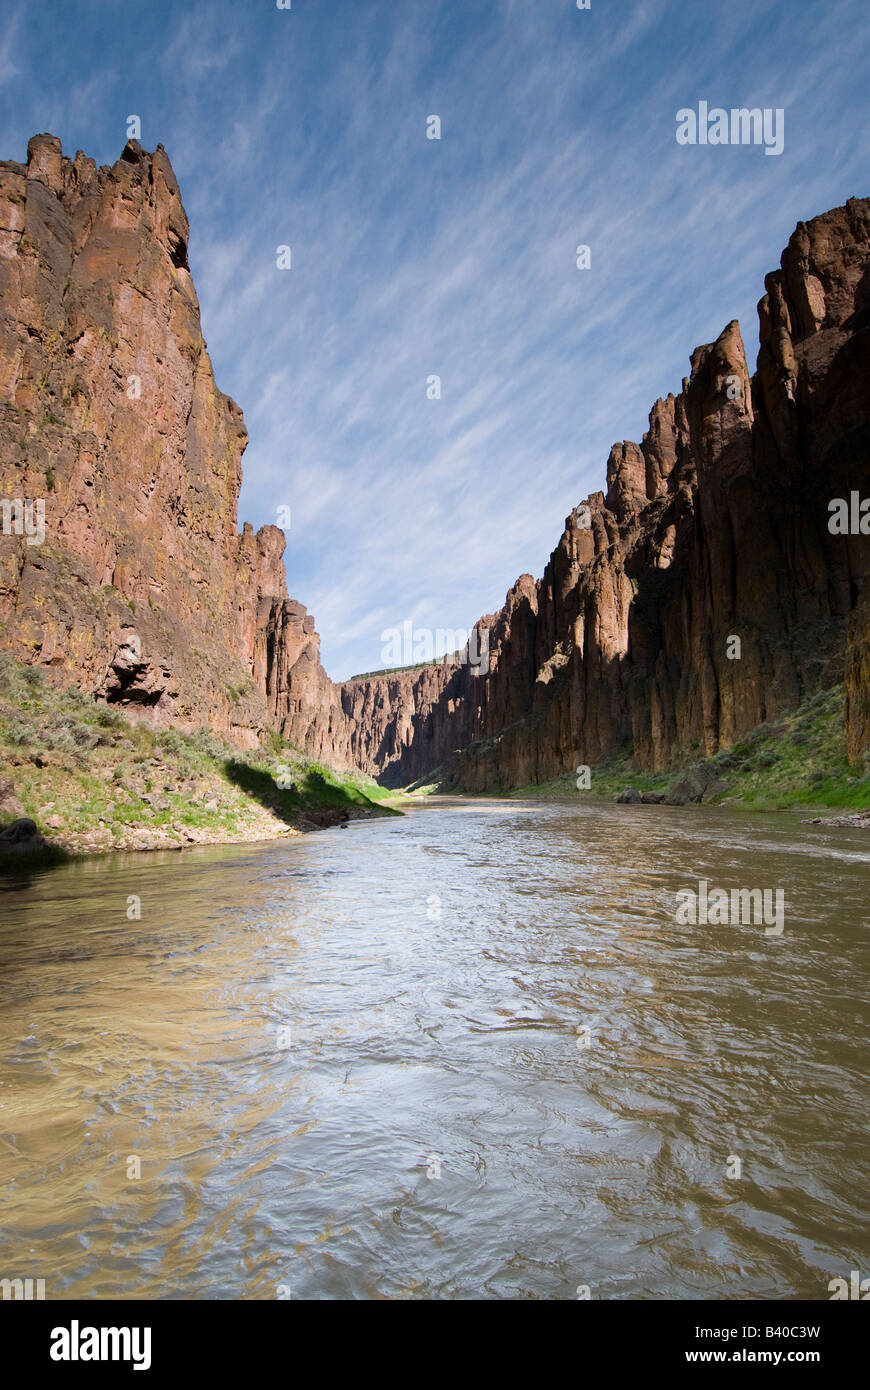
(714, 527)
(142, 590)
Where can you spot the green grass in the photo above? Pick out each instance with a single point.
(105, 779)
(427, 785)
(97, 780)
(799, 763)
(608, 778)
(309, 787)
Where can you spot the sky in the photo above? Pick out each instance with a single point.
(456, 257)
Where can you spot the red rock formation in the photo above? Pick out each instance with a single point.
(143, 591)
(715, 526)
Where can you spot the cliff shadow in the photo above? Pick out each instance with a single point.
(309, 794)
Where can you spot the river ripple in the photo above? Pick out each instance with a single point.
(435, 1127)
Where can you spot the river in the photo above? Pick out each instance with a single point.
(468, 1053)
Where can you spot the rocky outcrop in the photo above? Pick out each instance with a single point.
(303, 702)
(141, 590)
(703, 593)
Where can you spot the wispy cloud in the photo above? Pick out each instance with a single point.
(8, 43)
(414, 258)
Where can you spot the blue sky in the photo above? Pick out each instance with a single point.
(413, 257)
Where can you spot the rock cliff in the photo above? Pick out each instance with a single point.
(142, 590)
(704, 592)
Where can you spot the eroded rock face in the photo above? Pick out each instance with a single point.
(713, 528)
(858, 683)
(143, 591)
(304, 704)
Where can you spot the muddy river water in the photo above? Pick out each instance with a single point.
(468, 1053)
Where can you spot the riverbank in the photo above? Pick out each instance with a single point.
(92, 781)
(797, 764)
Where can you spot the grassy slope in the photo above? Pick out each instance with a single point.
(95, 780)
(799, 763)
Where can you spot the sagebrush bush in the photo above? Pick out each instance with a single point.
(208, 744)
(109, 719)
(8, 674)
(21, 735)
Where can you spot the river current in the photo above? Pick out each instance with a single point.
(468, 1053)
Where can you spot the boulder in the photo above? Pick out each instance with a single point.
(690, 788)
(715, 788)
(21, 836)
(629, 796)
(10, 807)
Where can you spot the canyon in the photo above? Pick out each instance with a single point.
(714, 527)
(146, 594)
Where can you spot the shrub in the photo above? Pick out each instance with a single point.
(84, 735)
(21, 735)
(60, 739)
(205, 742)
(171, 742)
(273, 743)
(8, 674)
(108, 719)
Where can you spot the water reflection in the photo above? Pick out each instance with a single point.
(294, 1033)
